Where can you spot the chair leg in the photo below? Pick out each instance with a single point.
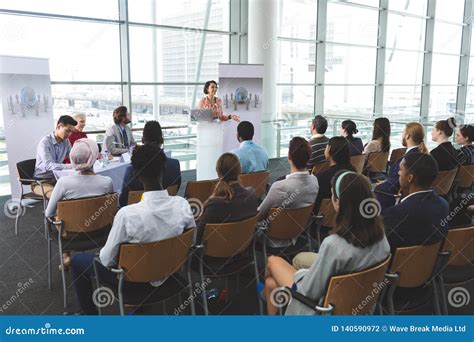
(257, 275)
(120, 295)
(63, 273)
(191, 295)
(49, 262)
(443, 296)
(17, 217)
(204, 297)
(436, 298)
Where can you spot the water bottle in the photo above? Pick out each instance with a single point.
(105, 158)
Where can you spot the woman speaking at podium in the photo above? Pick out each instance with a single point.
(212, 102)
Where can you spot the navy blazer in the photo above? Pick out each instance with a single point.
(356, 146)
(392, 184)
(421, 219)
(172, 176)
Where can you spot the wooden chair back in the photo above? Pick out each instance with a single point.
(377, 161)
(136, 196)
(146, 262)
(200, 190)
(358, 162)
(346, 292)
(327, 211)
(460, 243)
(444, 181)
(414, 264)
(465, 176)
(397, 154)
(257, 180)
(320, 167)
(224, 240)
(288, 223)
(87, 214)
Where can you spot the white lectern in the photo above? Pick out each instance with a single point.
(210, 138)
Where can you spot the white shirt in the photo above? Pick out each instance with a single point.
(78, 186)
(158, 217)
(414, 193)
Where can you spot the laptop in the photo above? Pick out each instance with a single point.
(202, 115)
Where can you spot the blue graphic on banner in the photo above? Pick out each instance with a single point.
(237, 328)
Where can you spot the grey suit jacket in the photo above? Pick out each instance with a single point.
(114, 140)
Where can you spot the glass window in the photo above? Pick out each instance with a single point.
(349, 64)
(353, 25)
(104, 9)
(452, 10)
(183, 13)
(444, 69)
(469, 118)
(405, 32)
(296, 100)
(442, 102)
(349, 101)
(159, 55)
(402, 103)
(298, 18)
(77, 51)
(373, 3)
(402, 67)
(447, 38)
(297, 62)
(414, 6)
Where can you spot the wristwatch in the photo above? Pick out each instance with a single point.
(229, 116)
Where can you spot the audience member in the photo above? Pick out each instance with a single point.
(465, 137)
(78, 130)
(348, 129)
(298, 189)
(445, 154)
(318, 140)
(152, 134)
(157, 217)
(404, 226)
(356, 243)
(380, 137)
(51, 152)
(119, 137)
(338, 155)
(229, 202)
(253, 157)
(412, 139)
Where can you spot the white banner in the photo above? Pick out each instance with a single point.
(26, 108)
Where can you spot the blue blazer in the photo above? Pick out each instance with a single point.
(421, 219)
(172, 176)
(391, 185)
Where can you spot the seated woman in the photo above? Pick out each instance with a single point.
(357, 242)
(380, 143)
(84, 184)
(230, 202)
(338, 155)
(445, 154)
(465, 137)
(348, 129)
(298, 189)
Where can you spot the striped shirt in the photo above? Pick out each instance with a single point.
(465, 155)
(318, 144)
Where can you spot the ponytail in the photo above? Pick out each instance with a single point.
(422, 148)
(228, 170)
(223, 191)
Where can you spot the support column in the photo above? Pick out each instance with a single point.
(427, 61)
(263, 49)
(125, 55)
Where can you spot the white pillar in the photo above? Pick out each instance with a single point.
(263, 49)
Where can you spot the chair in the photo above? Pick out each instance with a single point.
(257, 180)
(412, 273)
(227, 241)
(465, 176)
(377, 162)
(325, 218)
(81, 225)
(200, 190)
(147, 262)
(346, 293)
(136, 196)
(444, 182)
(459, 243)
(395, 155)
(358, 163)
(320, 167)
(25, 172)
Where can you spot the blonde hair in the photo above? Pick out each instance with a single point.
(228, 170)
(77, 115)
(417, 133)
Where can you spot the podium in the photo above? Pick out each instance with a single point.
(210, 142)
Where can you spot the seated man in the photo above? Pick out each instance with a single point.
(119, 137)
(50, 155)
(253, 157)
(418, 219)
(318, 141)
(152, 134)
(157, 217)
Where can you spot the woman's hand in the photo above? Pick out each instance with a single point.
(235, 117)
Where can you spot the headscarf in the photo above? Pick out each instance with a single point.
(84, 154)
